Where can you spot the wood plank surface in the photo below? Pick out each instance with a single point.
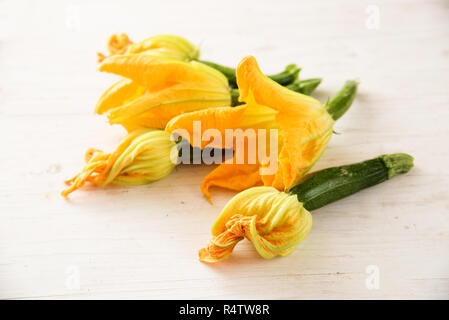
(142, 242)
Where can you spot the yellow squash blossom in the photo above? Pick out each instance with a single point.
(155, 90)
(275, 222)
(304, 129)
(144, 156)
(162, 46)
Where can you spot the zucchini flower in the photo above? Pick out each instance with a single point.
(158, 82)
(275, 222)
(143, 156)
(161, 46)
(155, 90)
(176, 47)
(302, 128)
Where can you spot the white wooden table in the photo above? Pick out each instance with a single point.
(142, 242)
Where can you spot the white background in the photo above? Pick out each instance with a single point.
(142, 242)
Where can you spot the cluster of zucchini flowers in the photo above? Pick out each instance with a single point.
(162, 78)
(165, 91)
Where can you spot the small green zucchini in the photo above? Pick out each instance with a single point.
(340, 103)
(332, 184)
(306, 86)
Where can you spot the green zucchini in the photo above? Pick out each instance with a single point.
(235, 93)
(340, 103)
(227, 71)
(289, 75)
(305, 86)
(332, 184)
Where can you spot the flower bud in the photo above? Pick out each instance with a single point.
(166, 46)
(275, 222)
(143, 157)
(161, 46)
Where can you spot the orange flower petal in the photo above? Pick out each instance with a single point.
(216, 118)
(304, 125)
(117, 44)
(221, 246)
(235, 177)
(156, 73)
(118, 94)
(155, 109)
(256, 87)
(301, 146)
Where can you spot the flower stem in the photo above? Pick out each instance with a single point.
(306, 86)
(289, 75)
(235, 97)
(397, 163)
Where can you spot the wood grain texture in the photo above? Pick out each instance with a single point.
(142, 242)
